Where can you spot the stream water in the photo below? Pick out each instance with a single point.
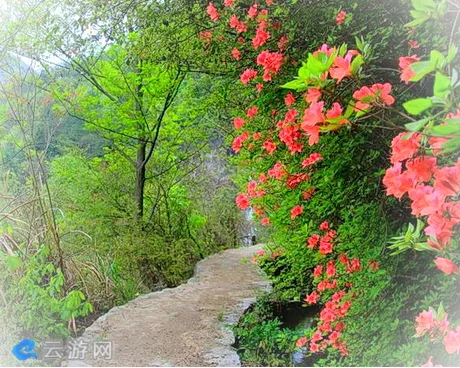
(294, 316)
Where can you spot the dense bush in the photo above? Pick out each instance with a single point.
(314, 165)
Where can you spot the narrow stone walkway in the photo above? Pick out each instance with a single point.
(186, 325)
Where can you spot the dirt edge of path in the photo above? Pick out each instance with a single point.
(218, 352)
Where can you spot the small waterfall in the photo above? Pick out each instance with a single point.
(249, 235)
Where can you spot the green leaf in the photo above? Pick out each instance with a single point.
(416, 22)
(451, 53)
(315, 66)
(436, 59)
(441, 85)
(420, 68)
(418, 105)
(452, 145)
(356, 64)
(296, 84)
(349, 110)
(13, 262)
(416, 125)
(304, 72)
(445, 130)
(424, 5)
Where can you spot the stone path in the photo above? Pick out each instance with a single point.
(186, 325)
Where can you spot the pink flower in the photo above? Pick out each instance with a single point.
(296, 211)
(277, 171)
(398, 183)
(405, 63)
(252, 111)
(341, 17)
(330, 269)
(313, 115)
(261, 36)
(239, 26)
(260, 252)
(452, 341)
(248, 75)
(447, 180)
(212, 12)
(336, 112)
(289, 99)
(265, 221)
(425, 200)
(312, 298)
(259, 87)
(424, 322)
(301, 342)
(325, 247)
(317, 336)
(236, 53)
(238, 123)
(313, 241)
(228, 3)
(239, 140)
(282, 43)
(366, 96)
(313, 95)
(242, 201)
(413, 44)
(317, 271)
(341, 68)
(422, 168)
(429, 363)
(252, 12)
(314, 348)
(269, 146)
(270, 61)
(324, 225)
(404, 145)
(446, 265)
(312, 159)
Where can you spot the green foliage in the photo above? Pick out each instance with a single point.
(262, 341)
(35, 287)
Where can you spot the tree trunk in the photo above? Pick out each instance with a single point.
(140, 182)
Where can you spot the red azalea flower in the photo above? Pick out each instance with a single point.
(317, 271)
(405, 145)
(252, 111)
(269, 146)
(413, 44)
(324, 226)
(239, 140)
(236, 53)
(446, 265)
(452, 341)
(289, 99)
(301, 342)
(242, 201)
(296, 211)
(212, 12)
(312, 298)
(341, 17)
(248, 75)
(252, 12)
(404, 63)
(238, 123)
